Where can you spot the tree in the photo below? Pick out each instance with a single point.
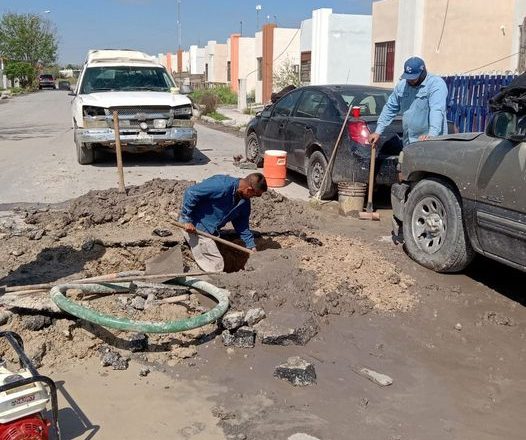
(28, 38)
(25, 72)
(286, 76)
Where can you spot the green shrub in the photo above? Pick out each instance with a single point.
(223, 94)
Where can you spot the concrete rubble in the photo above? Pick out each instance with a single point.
(378, 378)
(296, 371)
(243, 337)
(287, 328)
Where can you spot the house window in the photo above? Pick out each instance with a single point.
(305, 67)
(260, 69)
(229, 71)
(384, 55)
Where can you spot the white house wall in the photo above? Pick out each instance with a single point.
(248, 62)
(349, 50)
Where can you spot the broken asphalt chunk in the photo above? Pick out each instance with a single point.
(244, 337)
(296, 371)
(287, 328)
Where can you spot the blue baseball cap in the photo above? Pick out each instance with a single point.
(413, 68)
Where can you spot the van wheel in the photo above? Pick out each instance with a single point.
(183, 152)
(316, 169)
(85, 154)
(433, 227)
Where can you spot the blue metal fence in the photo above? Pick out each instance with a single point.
(468, 99)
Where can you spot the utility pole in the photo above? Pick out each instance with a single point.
(258, 8)
(241, 28)
(522, 48)
(179, 24)
(179, 68)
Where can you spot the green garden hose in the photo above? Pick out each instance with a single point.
(58, 295)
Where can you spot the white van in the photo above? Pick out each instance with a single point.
(152, 115)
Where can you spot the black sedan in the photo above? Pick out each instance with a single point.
(306, 122)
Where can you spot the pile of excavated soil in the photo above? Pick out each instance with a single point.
(321, 273)
(299, 264)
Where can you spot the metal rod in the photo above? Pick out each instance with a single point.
(97, 280)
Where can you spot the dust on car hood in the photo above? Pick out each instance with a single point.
(134, 99)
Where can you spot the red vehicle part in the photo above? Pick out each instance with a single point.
(32, 427)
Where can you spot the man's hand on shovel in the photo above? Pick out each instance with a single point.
(189, 227)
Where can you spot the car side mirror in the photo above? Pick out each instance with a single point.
(266, 113)
(72, 93)
(505, 125)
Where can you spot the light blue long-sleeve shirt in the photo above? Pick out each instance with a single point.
(423, 109)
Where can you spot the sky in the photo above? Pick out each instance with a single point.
(151, 25)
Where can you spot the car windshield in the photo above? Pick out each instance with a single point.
(125, 78)
(46, 76)
(370, 102)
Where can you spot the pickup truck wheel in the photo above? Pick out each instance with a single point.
(85, 155)
(316, 169)
(433, 227)
(183, 152)
(253, 150)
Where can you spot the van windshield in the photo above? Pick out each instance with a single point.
(125, 78)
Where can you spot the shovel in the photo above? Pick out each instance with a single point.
(369, 213)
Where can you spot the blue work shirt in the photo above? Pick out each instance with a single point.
(211, 204)
(423, 109)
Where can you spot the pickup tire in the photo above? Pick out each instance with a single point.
(85, 154)
(433, 226)
(184, 152)
(253, 150)
(316, 169)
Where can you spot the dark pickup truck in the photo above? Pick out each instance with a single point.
(466, 194)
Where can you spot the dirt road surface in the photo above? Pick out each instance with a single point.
(454, 345)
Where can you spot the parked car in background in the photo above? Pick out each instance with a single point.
(152, 115)
(466, 194)
(306, 122)
(46, 81)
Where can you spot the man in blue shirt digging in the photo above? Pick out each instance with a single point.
(421, 99)
(210, 205)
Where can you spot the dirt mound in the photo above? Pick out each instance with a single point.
(300, 265)
(321, 273)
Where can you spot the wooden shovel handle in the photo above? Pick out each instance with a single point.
(217, 239)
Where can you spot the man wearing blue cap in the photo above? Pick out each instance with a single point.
(421, 99)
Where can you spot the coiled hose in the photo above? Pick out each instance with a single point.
(58, 296)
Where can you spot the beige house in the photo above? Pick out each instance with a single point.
(275, 48)
(453, 37)
(241, 62)
(216, 63)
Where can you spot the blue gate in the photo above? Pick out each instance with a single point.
(468, 98)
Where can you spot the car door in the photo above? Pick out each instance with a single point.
(315, 121)
(501, 200)
(274, 136)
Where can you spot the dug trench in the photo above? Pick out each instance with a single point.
(330, 292)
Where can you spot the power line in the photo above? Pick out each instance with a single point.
(279, 56)
(443, 28)
(493, 62)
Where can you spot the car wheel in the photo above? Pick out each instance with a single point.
(433, 226)
(183, 152)
(253, 150)
(316, 169)
(85, 155)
